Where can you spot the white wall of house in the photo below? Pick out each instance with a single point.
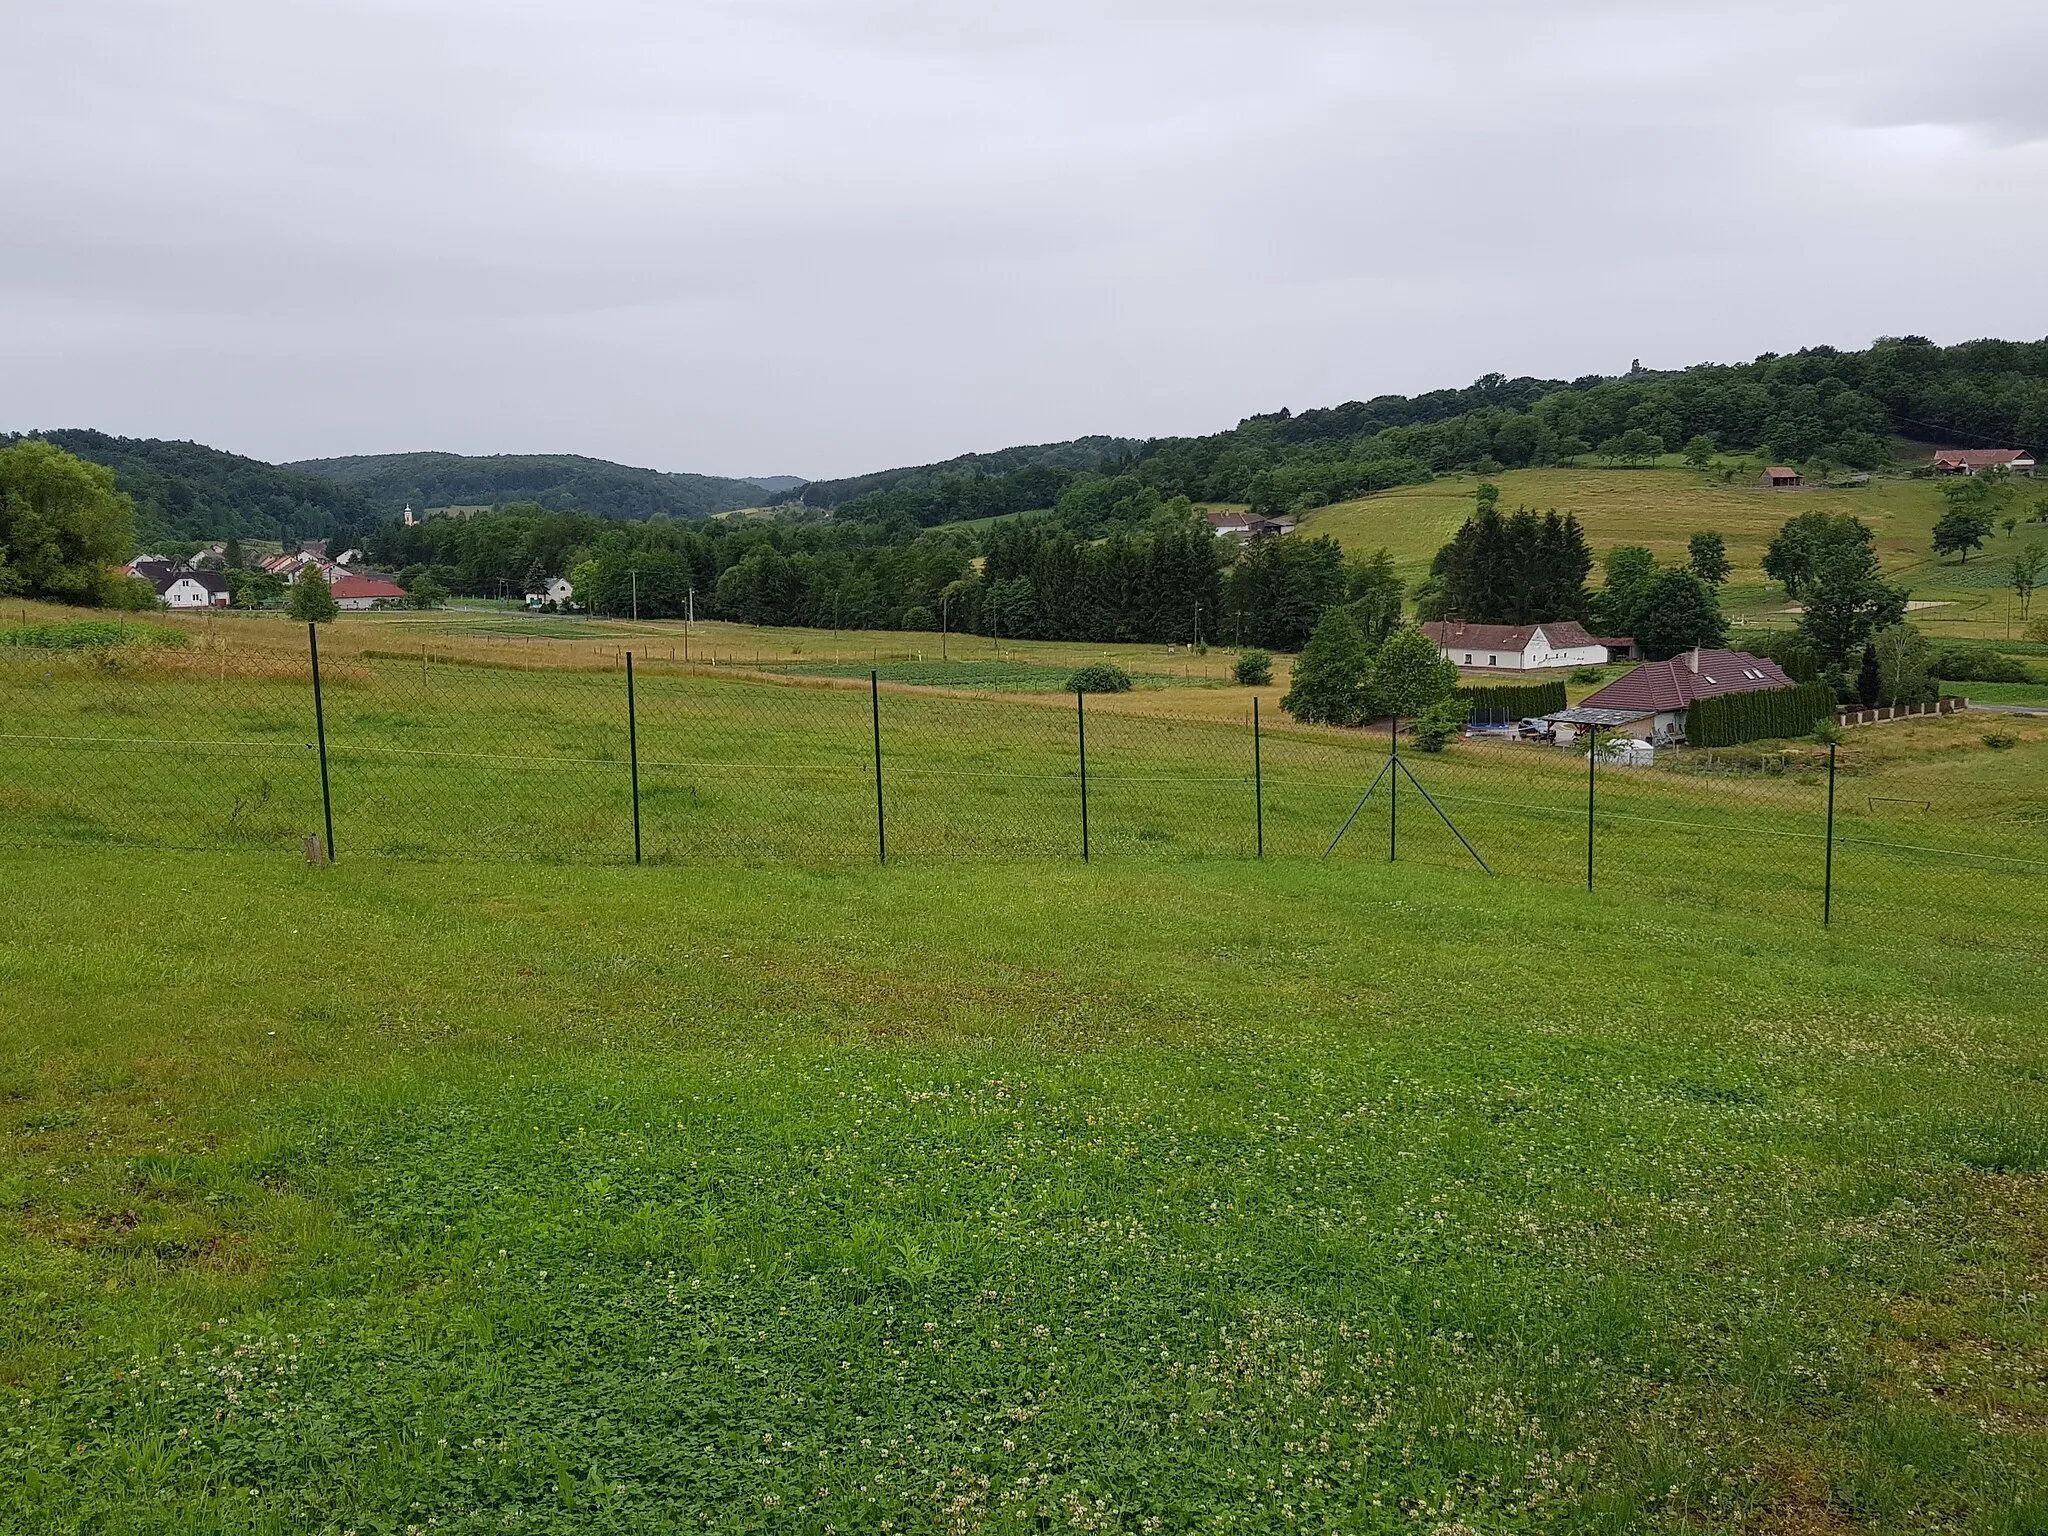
(187, 593)
(1537, 655)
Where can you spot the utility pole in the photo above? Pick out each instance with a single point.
(636, 594)
(1198, 626)
(945, 599)
(689, 618)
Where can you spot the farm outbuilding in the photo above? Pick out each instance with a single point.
(1780, 477)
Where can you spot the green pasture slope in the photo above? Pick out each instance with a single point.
(486, 1182)
(444, 1196)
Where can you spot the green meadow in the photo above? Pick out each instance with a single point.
(482, 1181)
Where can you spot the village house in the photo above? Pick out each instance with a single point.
(1517, 647)
(180, 586)
(555, 591)
(1972, 461)
(1650, 703)
(354, 594)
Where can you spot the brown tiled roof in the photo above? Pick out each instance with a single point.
(1673, 684)
(1564, 634)
(365, 586)
(1980, 458)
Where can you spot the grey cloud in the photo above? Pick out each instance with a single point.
(826, 235)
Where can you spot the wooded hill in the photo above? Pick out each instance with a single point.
(561, 482)
(185, 491)
(1817, 407)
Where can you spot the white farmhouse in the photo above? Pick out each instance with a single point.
(555, 590)
(1517, 647)
(180, 586)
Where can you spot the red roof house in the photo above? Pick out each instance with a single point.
(1970, 461)
(1658, 693)
(358, 592)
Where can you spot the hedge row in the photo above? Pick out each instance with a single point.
(1507, 702)
(1733, 718)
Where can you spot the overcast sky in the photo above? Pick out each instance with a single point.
(822, 236)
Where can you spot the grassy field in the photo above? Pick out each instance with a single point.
(392, 1197)
(1661, 507)
(485, 1182)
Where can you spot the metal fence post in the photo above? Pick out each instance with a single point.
(881, 825)
(1827, 899)
(1393, 787)
(633, 751)
(1081, 720)
(320, 726)
(1592, 758)
(1258, 780)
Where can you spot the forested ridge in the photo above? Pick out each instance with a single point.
(564, 481)
(185, 491)
(1820, 407)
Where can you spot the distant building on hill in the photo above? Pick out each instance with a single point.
(1780, 477)
(1247, 526)
(1971, 461)
(1517, 647)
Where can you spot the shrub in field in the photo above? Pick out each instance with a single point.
(918, 617)
(1999, 742)
(1100, 677)
(89, 633)
(1584, 675)
(1441, 724)
(130, 594)
(1254, 669)
(1969, 664)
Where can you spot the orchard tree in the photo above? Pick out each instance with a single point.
(1961, 529)
(1707, 554)
(1699, 453)
(2026, 575)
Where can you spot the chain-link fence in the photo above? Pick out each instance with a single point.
(580, 752)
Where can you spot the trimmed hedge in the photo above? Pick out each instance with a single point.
(1773, 714)
(1509, 702)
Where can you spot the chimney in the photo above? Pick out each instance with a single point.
(1693, 661)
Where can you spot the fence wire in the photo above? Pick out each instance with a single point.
(535, 753)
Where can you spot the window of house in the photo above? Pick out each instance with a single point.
(1468, 658)
(1493, 661)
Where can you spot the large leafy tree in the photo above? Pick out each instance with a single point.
(63, 525)
(312, 600)
(1961, 529)
(1676, 612)
(1809, 542)
(1409, 674)
(1844, 600)
(1331, 677)
(1707, 554)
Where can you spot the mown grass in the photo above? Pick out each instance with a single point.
(1206, 1196)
